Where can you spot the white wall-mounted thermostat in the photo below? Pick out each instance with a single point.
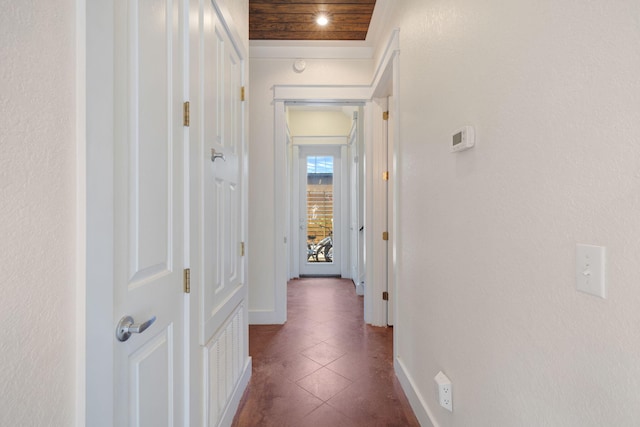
(463, 139)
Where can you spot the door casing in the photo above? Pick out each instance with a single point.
(385, 77)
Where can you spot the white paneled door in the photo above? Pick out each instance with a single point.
(149, 213)
(222, 319)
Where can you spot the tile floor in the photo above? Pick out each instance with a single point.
(324, 367)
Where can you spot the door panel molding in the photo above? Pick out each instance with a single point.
(145, 364)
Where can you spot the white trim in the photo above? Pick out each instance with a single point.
(321, 93)
(263, 49)
(99, 145)
(416, 400)
(379, 18)
(376, 215)
(320, 140)
(231, 28)
(280, 201)
(390, 51)
(344, 93)
(396, 206)
(185, 35)
(291, 94)
(234, 401)
(343, 239)
(338, 152)
(81, 214)
(265, 317)
(294, 208)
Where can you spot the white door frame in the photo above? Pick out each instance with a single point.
(375, 309)
(387, 86)
(340, 239)
(283, 95)
(386, 75)
(95, 125)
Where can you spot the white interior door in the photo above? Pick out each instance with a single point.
(390, 213)
(222, 319)
(320, 196)
(149, 220)
(354, 197)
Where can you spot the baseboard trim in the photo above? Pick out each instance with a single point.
(417, 402)
(265, 318)
(234, 401)
(360, 288)
(322, 276)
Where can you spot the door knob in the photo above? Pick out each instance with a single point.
(126, 327)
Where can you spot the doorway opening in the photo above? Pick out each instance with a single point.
(370, 240)
(325, 204)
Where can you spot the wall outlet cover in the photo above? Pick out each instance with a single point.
(445, 391)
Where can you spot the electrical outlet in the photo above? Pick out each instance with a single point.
(445, 391)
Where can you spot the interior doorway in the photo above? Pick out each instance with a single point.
(324, 206)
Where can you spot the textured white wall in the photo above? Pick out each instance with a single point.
(486, 264)
(37, 213)
(263, 75)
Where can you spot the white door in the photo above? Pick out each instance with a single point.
(222, 366)
(390, 214)
(320, 210)
(354, 198)
(149, 220)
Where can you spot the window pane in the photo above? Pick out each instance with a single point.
(320, 209)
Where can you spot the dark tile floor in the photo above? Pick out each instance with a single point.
(325, 367)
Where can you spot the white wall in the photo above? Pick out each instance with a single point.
(263, 75)
(37, 223)
(486, 261)
(319, 123)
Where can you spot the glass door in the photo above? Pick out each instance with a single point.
(319, 187)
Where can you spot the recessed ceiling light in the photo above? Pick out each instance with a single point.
(322, 20)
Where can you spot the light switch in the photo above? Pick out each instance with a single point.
(590, 269)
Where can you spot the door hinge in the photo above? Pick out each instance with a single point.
(385, 115)
(385, 296)
(385, 176)
(185, 114)
(187, 280)
(242, 93)
(385, 235)
(241, 248)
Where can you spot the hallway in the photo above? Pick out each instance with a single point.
(325, 366)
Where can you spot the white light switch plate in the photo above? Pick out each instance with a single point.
(590, 263)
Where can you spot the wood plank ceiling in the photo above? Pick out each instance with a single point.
(296, 19)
